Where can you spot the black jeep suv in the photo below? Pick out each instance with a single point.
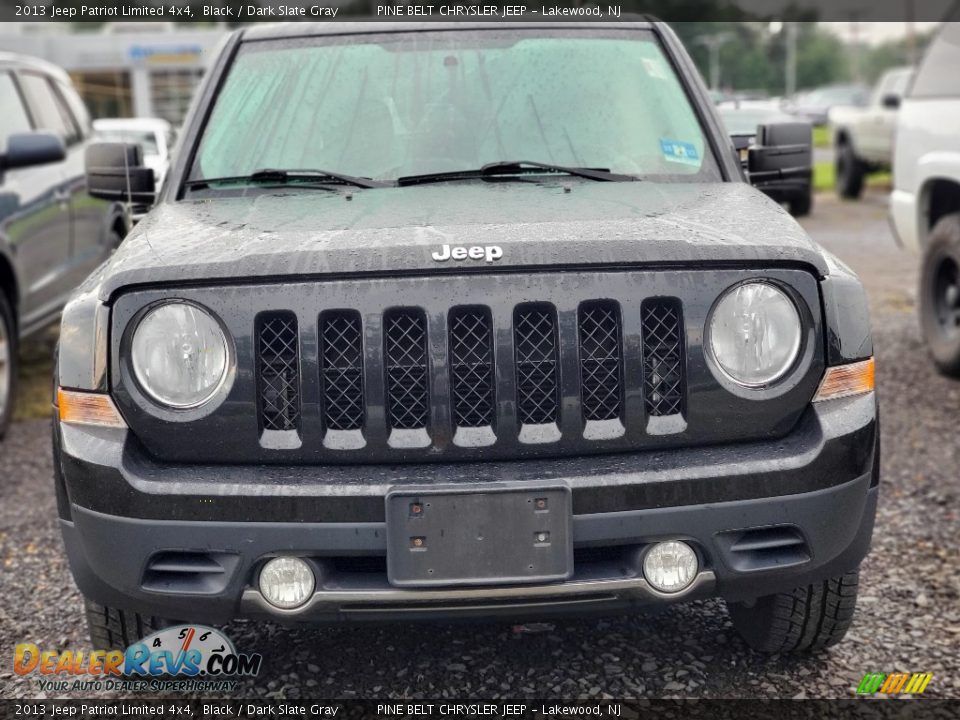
(445, 320)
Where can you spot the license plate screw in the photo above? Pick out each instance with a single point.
(542, 537)
(416, 509)
(418, 543)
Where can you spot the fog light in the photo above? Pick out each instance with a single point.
(286, 582)
(670, 566)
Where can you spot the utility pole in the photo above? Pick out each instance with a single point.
(855, 42)
(790, 79)
(713, 43)
(911, 33)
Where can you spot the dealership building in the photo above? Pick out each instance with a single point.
(124, 69)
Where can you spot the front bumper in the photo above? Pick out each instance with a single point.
(764, 517)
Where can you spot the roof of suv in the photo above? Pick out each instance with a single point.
(313, 29)
(10, 60)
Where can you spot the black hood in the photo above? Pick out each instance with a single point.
(395, 230)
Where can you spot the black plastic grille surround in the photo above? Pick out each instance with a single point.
(601, 368)
(341, 369)
(471, 367)
(537, 364)
(406, 359)
(666, 309)
(278, 371)
(663, 366)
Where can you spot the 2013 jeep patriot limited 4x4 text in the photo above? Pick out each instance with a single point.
(446, 320)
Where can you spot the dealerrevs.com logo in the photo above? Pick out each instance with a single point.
(185, 657)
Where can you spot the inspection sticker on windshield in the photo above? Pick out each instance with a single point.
(680, 152)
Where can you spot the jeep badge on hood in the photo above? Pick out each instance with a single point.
(477, 252)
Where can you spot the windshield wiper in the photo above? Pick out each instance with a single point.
(280, 177)
(516, 167)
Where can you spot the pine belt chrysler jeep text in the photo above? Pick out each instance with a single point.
(464, 320)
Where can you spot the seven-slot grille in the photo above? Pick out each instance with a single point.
(278, 371)
(473, 369)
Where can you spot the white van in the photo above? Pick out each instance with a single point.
(925, 204)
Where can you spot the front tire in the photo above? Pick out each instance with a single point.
(850, 172)
(9, 349)
(807, 619)
(115, 629)
(940, 295)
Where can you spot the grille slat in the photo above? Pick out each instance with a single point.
(341, 370)
(278, 372)
(535, 341)
(406, 359)
(663, 365)
(601, 377)
(471, 364)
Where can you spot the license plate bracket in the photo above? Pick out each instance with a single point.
(471, 537)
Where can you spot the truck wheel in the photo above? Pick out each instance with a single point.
(113, 629)
(850, 172)
(9, 347)
(809, 618)
(801, 204)
(940, 295)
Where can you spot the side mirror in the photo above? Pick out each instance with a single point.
(890, 101)
(32, 148)
(115, 171)
(784, 151)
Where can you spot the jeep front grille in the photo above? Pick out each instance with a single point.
(406, 359)
(471, 367)
(278, 371)
(535, 339)
(663, 367)
(601, 371)
(341, 369)
(473, 370)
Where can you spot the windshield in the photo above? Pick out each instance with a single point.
(394, 105)
(145, 138)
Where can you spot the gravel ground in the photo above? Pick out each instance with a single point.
(908, 617)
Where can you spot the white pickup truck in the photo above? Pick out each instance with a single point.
(925, 202)
(863, 136)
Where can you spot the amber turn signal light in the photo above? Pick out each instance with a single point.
(846, 380)
(88, 408)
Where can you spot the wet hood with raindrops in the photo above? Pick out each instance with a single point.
(387, 231)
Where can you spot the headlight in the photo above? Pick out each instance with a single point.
(755, 333)
(179, 355)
